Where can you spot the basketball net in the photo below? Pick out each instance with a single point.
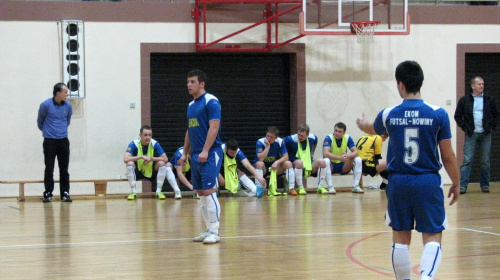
(365, 30)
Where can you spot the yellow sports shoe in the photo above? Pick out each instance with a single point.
(292, 192)
(302, 191)
(273, 193)
(160, 196)
(322, 190)
(132, 196)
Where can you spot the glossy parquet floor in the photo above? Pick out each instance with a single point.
(339, 236)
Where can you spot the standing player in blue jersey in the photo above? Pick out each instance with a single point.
(419, 133)
(203, 142)
(302, 158)
(232, 156)
(271, 155)
(335, 148)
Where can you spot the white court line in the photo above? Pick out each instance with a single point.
(481, 231)
(178, 239)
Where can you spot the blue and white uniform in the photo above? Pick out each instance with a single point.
(240, 156)
(174, 161)
(200, 112)
(133, 148)
(415, 129)
(276, 151)
(336, 166)
(292, 146)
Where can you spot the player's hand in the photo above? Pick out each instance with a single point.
(182, 160)
(455, 191)
(261, 180)
(146, 160)
(203, 156)
(274, 166)
(266, 142)
(344, 158)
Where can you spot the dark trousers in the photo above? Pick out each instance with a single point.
(59, 148)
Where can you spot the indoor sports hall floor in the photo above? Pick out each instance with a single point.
(307, 237)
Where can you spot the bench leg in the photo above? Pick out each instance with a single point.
(21, 192)
(100, 188)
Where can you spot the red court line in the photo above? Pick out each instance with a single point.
(356, 261)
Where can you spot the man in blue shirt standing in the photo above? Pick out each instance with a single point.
(54, 117)
(203, 142)
(419, 134)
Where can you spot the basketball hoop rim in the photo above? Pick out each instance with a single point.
(365, 23)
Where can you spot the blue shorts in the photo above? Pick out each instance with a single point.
(416, 201)
(204, 174)
(337, 168)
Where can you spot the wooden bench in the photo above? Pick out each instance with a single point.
(100, 185)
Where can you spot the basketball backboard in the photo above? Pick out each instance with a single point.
(328, 17)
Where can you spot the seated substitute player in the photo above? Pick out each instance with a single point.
(145, 159)
(301, 147)
(271, 153)
(370, 151)
(232, 155)
(183, 172)
(341, 162)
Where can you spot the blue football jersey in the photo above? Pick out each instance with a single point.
(276, 151)
(199, 114)
(415, 129)
(292, 146)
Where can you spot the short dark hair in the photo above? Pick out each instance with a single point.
(341, 125)
(202, 77)
(411, 75)
(232, 145)
(304, 128)
(57, 88)
(473, 80)
(145, 127)
(274, 130)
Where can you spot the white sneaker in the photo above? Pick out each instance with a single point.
(178, 195)
(201, 237)
(331, 190)
(357, 189)
(196, 195)
(212, 238)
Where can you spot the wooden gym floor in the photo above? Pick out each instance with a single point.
(339, 236)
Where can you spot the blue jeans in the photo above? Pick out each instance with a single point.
(484, 142)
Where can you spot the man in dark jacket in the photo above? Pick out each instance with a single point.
(477, 116)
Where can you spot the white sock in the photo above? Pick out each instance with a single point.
(160, 178)
(321, 179)
(328, 172)
(204, 211)
(401, 261)
(247, 183)
(131, 178)
(213, 209)
(261, 174)
(171, 179)
(431, 260)
(357, 171)
(298, 177)
(290, 177)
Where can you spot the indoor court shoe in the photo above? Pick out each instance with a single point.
(202, 236)
(321, 190)
(66, 198)
(485, 190)
(383, 186)
(160, 196)
(463, 190)
(302, 191)
(132, 196)
(331, 190)
(196, 195)
(178, 195)
(293, 192)
(357, 189)
(47, 197)
(260, 192)
(273, 193)
(212, 238)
